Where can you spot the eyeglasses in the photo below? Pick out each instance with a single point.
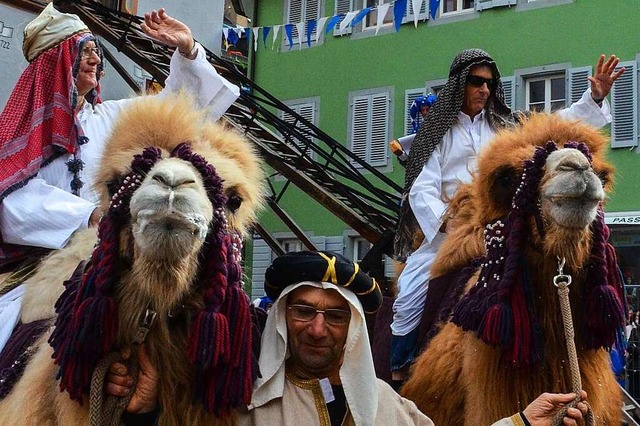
(87, 51)
(307, 313)
(477, 81)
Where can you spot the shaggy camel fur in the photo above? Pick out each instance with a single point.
(459, 379)
(158, 262)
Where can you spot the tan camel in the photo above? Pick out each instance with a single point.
(505, 344)
(170, 241)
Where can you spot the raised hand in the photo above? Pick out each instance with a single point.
(605, 76)
(163, 28)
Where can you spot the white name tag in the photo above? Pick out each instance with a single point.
(327, 391)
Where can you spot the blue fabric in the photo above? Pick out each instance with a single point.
(398, 12)
(265, 33)
(288, 29)
(332, 23)
(434, 5)
(404, 349)
(232, 37)
(311, 25)
(360, 16)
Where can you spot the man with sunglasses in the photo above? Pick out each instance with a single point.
(470, 109)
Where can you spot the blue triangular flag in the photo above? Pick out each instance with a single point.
(360, 16)
(398, 12)
(434, 5)
(311, 25)
(288, 29)
(233, 37)
(332, 23)
(265, 33)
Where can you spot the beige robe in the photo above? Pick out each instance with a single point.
(305, 406)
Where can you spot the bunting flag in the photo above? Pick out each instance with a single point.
(343, 21)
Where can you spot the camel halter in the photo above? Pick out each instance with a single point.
(107, 411)
(562, 281)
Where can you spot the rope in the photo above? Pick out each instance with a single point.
(562, 282)
(107, 410)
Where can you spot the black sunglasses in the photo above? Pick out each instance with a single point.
(477, 81)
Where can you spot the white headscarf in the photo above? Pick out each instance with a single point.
(356, 373)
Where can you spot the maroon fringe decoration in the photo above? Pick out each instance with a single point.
(604, 311)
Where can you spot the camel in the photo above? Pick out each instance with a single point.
(178, 194)
(536, 198)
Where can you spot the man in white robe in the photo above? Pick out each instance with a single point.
(469, 110)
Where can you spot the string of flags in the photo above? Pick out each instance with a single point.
(341, 21)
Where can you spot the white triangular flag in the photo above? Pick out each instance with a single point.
(256, 30)
(320, 27)
(225, 32)
(276, 29)
(416, 5)
(347, 20)
(300, 28)
(382, 12)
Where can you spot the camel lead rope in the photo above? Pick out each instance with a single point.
(562, 281)
(106, 410)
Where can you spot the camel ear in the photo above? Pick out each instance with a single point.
(503, 183)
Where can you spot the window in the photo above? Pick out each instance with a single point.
(360, 249)
(546, 94)
(369, 125)
(452, 6)
(297, 11)
(307, 108)
(370, 22)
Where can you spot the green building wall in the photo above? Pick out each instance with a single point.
(517, 37)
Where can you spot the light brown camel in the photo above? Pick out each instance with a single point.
(170, 241)
(536, 197)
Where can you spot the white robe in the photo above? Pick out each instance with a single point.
(452, 163)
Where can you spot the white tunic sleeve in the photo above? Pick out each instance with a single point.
(586, 110)
(201, 80)
(425, 196)
(42, 215)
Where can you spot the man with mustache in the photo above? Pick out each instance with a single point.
(315, 360)
(469, 110)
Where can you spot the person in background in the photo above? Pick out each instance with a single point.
(54, 128)
(470, 109)
(315, 360)
(418, 112)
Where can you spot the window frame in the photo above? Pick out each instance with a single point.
(303, 18)
(357, 96)
(297, 104)
(548, 101)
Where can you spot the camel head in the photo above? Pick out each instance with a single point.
(535, 199)
(178, 193)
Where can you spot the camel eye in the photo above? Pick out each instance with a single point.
(505, 182)
(604, 177)
(233, 203)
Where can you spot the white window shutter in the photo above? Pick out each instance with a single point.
(624, 107)
(408, 12)
(577, 83)
(307, 111)
(360, 125)
(342, 7)
(379, 140)
(312, 12)
(294, 15)
(489, 4)
(508, 86)
(261, 261)
(410, 95)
